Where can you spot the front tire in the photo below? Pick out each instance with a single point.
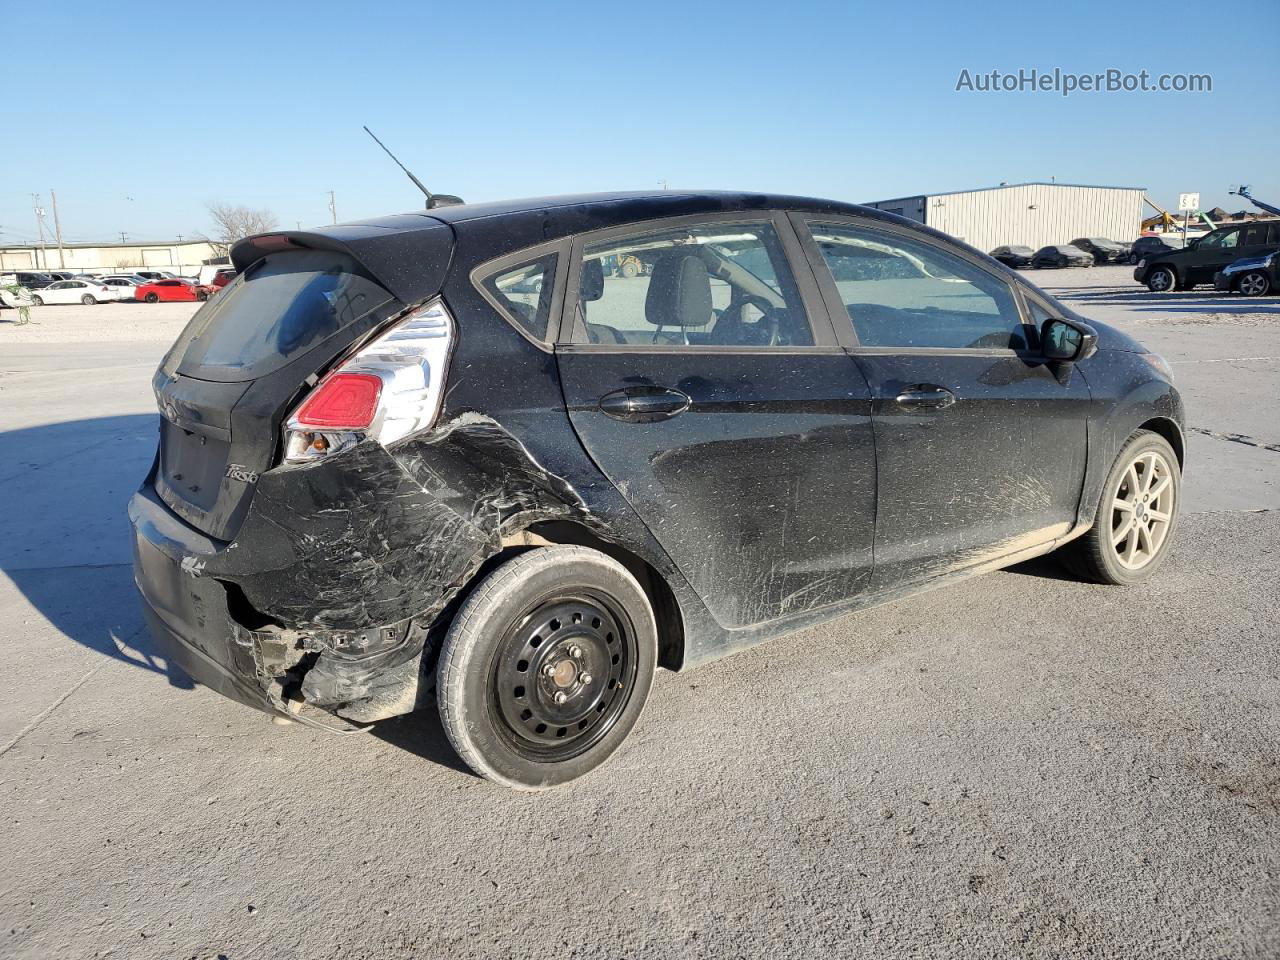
(1162, 280)
(152, 298)
(546, 668)
(1255, 283)
(1136, 515)
(88, 300)
(37, 300)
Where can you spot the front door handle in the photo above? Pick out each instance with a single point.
(644, 404)
(926, 397)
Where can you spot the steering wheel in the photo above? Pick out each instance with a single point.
(769, 320)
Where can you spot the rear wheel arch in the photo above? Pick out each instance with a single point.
(666, 609)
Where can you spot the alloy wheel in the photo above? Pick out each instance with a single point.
(1160, 280)
(1254, 284)
(563, 676)
(1142, 510)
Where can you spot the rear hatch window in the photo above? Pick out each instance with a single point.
(229, 379)
(277, 310)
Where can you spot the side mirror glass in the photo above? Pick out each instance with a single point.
(1065, 341)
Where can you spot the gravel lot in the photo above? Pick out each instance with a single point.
(1021, 765)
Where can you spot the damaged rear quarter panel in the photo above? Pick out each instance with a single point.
(375, 536)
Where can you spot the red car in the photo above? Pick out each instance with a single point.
(172, 290)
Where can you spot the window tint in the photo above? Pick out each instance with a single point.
(524, 294)
(1255, 236)
(714, 284)
(901, 292)
(278, 309)
(1273, 233)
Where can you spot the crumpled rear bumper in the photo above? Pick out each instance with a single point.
(187, 615)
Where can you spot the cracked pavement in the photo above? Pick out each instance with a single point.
(1018, 765)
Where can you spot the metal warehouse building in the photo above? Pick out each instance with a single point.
(1032, 214)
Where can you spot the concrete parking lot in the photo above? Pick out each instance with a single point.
(1021, 765)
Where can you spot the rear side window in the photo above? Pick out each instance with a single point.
(717, 284)
(523, 294)
(901, 292)
(277, 310)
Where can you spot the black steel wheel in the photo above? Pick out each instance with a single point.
(151, 297)
(563, 675)
(546, 667)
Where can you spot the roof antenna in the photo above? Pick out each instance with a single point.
(433, 199)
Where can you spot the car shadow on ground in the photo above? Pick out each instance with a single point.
(66, 547)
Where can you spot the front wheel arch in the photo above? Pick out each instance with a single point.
(1172, 433)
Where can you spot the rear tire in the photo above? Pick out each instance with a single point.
(546, 668)
(1162, 280)
(35, 299)
(1136, 516)
(88, 300)
(1255, 283)
(152, 298)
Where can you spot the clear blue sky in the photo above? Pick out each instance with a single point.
(139, 115)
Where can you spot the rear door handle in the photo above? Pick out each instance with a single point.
(644, 404)
(926, 397)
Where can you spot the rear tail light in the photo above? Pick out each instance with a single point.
(387, 390)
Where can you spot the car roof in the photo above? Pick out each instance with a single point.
(501, 226)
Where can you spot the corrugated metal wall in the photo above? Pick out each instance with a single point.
(1036, 215)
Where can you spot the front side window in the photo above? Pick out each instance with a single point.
(902, 292)
(721, 284)
(1221, 240)
(523, 294)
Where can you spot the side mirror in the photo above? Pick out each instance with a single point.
(1066, 341)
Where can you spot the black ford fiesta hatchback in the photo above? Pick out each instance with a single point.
(509, 458)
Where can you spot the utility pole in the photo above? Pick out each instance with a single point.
(35, 207)
(124, 238)
(333, 207)
(57, 230)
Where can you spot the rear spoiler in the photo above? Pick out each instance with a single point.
(408, 254)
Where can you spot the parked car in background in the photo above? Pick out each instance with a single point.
(1102, 249)
(62, 275)
(76, 291)
(31, 279)
(1061, 255)
(174, 289)
(210, 272)
(1205, 256)
(128, 286)
(1252, 276)
(1149, 246)
(155, 274)
(222, 278)
(354, 493)
(1013, 256)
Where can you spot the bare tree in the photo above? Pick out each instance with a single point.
(232, 223)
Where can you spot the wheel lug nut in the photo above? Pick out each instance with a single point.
(560, 696)
(584, 678)
(575, 652)
(549, 670)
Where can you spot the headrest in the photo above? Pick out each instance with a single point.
(591, 287)
(679, 292)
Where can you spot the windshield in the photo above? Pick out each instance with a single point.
(277, 310)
